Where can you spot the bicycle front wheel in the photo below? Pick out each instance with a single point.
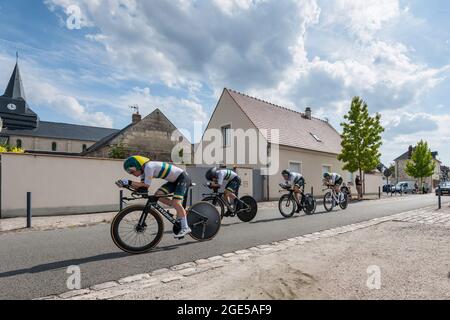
(130, 236)
(204, 221)
(328, 201)
(216, 203)
(287, 205)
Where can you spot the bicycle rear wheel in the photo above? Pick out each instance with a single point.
(310, 204)
(250, 209)
(204, 220)
(130, 237)
(344, 204)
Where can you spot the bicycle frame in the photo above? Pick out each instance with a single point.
(334, 194)
(220, 197)
(292, 195)
(152, 203)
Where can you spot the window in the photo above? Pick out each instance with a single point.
(316, 137)
(326, 169)
(84, 147)
(295, 167)
(19, 143)
(226, 134)
(54, 146)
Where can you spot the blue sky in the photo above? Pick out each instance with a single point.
(178, 55)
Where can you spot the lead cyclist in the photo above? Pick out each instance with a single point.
(178, 183)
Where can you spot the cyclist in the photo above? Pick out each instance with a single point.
(294, 180)
(229, 180)
(334, 180)
(178, 183)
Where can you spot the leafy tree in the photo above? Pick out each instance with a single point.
(421, 164)
(361, 138)
(118, 151)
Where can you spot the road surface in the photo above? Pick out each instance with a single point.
(34, 264)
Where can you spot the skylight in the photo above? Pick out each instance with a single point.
(316, 137)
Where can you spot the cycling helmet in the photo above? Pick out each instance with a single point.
(136, 162)
(326, 175)
(211, 174)
(286, 173)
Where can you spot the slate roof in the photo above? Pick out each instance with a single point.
(406, 156)
(295, 129)
(63, 131)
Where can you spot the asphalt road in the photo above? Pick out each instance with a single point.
(34, 264)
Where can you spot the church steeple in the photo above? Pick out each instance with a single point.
(14, 110)
(15, 90)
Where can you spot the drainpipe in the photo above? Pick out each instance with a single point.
(267, 176)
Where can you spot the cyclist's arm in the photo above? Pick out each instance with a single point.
(220, 178)
(137, 185)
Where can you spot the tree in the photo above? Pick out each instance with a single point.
(118, 152)
(361, 138)
(421, 164)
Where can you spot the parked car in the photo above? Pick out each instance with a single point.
(388, 188)
(404, 187)
(445, 189)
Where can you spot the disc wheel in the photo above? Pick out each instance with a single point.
(248, 214)
(204, 221)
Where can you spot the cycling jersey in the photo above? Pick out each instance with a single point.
(160, 170)
(295, 179)
(225, 175)
(336, 179)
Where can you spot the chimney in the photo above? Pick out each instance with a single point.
(410, 151)
(308, 113)
(136, 117)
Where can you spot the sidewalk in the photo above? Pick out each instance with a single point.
(409, 250)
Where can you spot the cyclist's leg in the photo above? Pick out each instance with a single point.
(181, 187)
(164, 190)
(297, 193)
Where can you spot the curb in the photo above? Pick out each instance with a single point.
(126, 285)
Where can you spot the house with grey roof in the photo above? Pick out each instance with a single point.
(305, 144)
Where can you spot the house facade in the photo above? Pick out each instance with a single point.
(400, 169)
(154, 136)
(305, 144)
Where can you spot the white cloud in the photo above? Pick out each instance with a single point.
(267, 48)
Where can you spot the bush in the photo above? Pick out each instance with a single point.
(118, 152)
(7, 148)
